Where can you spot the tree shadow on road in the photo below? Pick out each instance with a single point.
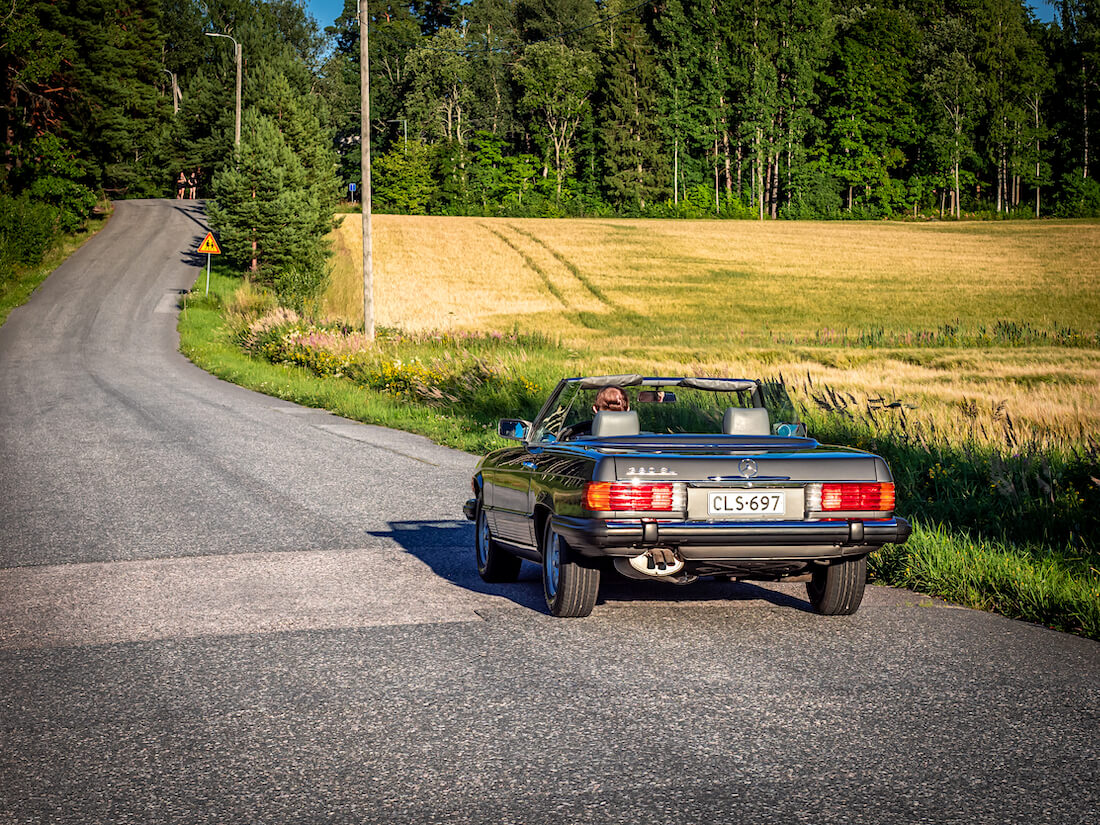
(447, 548)
(194, 211)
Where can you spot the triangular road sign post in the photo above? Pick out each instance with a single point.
(210, 247)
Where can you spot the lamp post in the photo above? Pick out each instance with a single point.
(237, 131)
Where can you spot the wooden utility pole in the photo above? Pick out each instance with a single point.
(364, 138)
(237, 119)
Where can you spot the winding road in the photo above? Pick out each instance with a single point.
(219, 607)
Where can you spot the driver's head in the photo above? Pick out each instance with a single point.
(611, 398)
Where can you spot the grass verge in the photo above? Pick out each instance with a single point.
(206, 338)
(412, 382)
(17, 288)
(1060, 590)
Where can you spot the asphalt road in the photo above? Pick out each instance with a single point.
(218, 607)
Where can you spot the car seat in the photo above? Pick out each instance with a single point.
(611, 423)
(742, 421)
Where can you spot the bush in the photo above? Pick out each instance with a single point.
(73, 200)
(27, 229)
(299, 286)
(1079, 198)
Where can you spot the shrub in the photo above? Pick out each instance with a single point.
(27, 229)
(1079, 197)
(74, 201)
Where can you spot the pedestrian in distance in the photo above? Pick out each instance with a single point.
(181, 185)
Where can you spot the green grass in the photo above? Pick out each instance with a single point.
(22, 281)
(209, 342)
(1035, 583)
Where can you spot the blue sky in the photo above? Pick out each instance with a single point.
(326, 11)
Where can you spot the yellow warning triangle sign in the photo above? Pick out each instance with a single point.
(209, 245)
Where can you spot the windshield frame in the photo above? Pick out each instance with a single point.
(538, 434)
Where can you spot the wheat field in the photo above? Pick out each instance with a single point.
(754, 299)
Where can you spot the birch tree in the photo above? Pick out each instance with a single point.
(557, 84)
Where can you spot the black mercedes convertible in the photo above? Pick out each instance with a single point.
(684, 478)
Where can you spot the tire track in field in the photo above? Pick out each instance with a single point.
(582, 279)
(571, 311)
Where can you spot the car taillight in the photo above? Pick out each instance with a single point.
(877, 496)
(627, 495)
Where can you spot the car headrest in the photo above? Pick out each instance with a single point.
(741, 421)
(608, 423)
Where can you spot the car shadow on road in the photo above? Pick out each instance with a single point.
(447, 548)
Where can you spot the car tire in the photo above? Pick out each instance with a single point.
(837, 590)
(570, 587)
(494, 563)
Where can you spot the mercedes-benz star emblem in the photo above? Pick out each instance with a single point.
(747, 467)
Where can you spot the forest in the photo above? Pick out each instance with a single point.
(794, 109)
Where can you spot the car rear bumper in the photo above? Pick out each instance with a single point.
(714, 541)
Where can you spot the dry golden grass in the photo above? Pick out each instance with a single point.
(729, 297)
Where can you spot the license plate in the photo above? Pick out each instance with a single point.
(745, 503)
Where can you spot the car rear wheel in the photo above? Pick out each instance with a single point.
(494, 563)
(570, 587)
(837, 590)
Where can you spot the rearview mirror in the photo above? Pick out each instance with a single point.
(656, 397)
(514, 428)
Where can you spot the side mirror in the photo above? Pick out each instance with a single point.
(514, 428)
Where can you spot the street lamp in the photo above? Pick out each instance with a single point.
(237, 133)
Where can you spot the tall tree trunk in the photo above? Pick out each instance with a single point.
(1085, 114)
(1037, 177)
(676, 170)
(758, 182)
(775, 186)
(726, 155)
(1038, 155)
(717, 206)
(955, 205)
(767, 192)
(1000, 178)
(739, 188)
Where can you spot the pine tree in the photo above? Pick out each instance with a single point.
(310, 143)
(629, 128)
(266, 214)
(119, 113)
